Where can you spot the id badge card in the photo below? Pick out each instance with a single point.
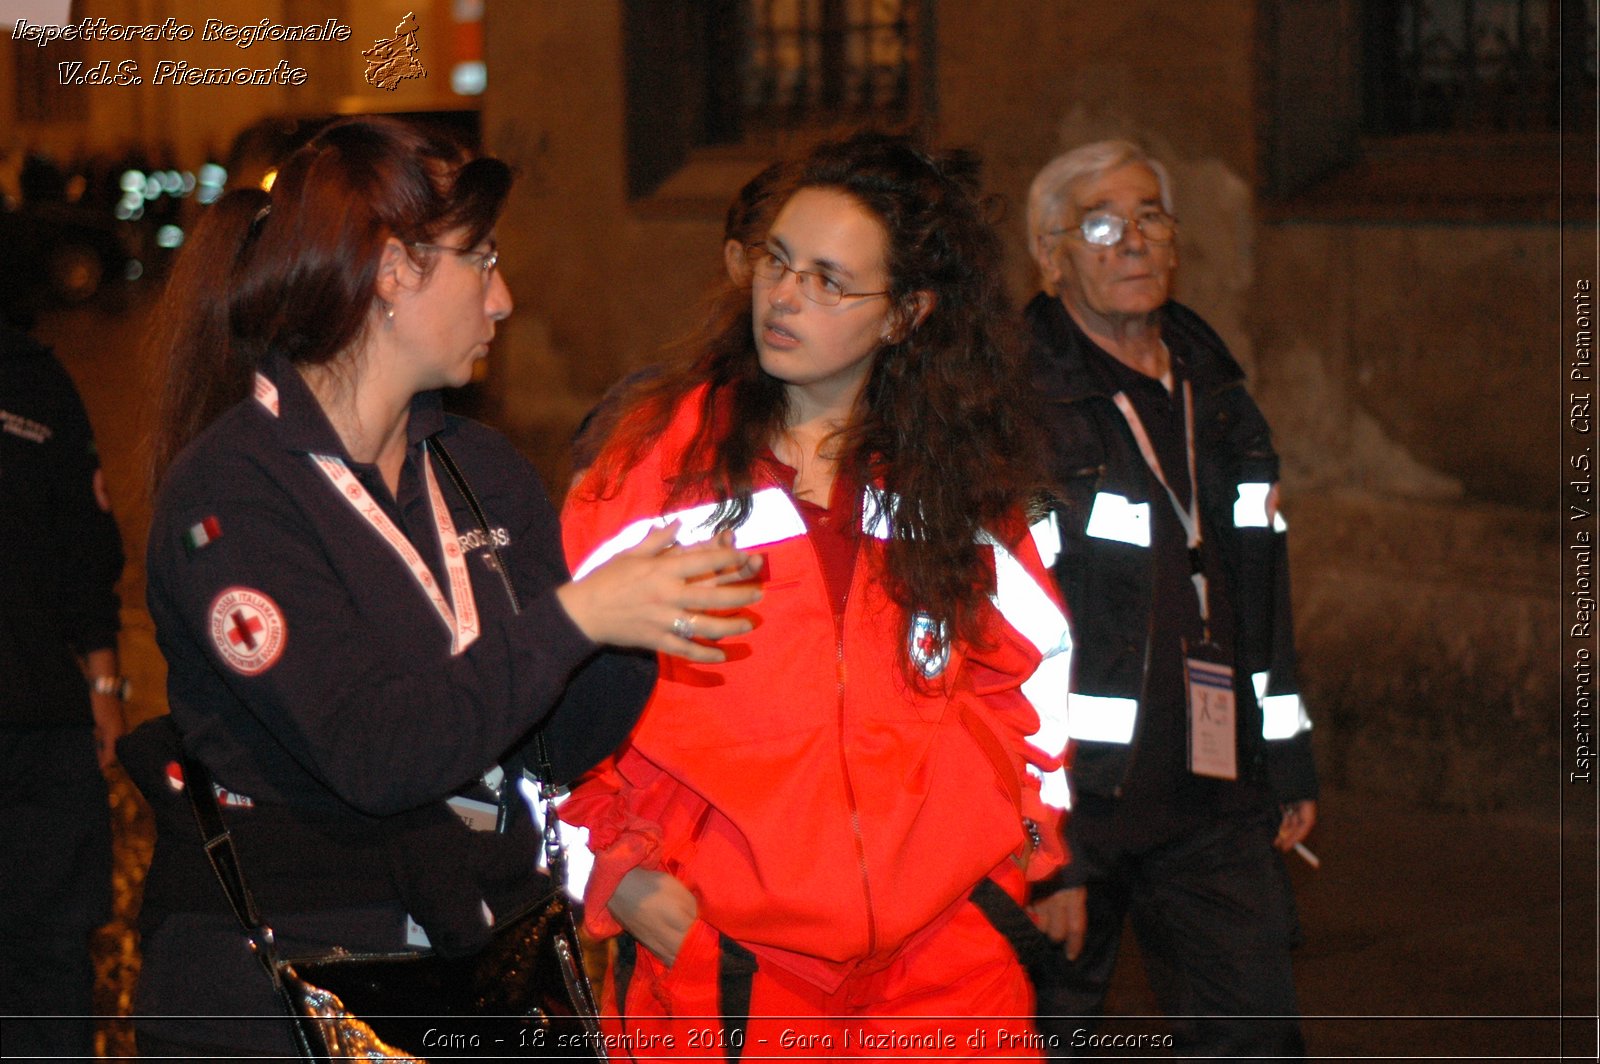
(1213, 728)
(479, 816)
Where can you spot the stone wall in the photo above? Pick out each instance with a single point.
(603, 285)
(1441, 340)
(1427, 633)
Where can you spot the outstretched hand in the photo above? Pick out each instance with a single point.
(663, 597)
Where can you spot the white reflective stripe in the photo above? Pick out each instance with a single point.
(1101, 718)
(1046, 534)
(1025, 605)
(1053, 788)
(877, 512)
(1048, 690)
(1113, 517)
(772, 518)
(1250, 508)
(1282, 716)
(1031, 611)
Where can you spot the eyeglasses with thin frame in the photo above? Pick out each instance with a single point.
(485, 261)
(819, 288)
(1105, 230)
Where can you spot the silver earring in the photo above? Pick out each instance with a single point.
(388, 312)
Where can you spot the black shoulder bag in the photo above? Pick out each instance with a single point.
(525, 994)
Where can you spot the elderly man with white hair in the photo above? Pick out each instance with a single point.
(1193, 765)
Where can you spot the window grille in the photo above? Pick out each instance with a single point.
(829, 61)
(714, 73)
(1469, 66)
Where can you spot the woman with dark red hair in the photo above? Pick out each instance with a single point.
(349, 649)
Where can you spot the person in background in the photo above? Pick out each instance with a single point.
(819, 835)
(60, 703)
(743, 224)
(746, 221)
(1192, 764)
(348, 651)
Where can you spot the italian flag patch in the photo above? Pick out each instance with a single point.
(203, 533)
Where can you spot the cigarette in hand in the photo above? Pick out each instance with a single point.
(1307, 856)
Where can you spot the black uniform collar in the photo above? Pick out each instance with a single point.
(303, 426)
(1124, 378)
(1068, 366)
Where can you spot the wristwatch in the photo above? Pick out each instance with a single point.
(111, 685)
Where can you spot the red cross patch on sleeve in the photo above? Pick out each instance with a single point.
(248, 630)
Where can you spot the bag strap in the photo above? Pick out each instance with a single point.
(217, 841)
(555, 854)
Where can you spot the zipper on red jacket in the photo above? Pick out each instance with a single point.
(844, 761)
(844, 771)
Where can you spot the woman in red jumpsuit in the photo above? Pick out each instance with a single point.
(799, 844)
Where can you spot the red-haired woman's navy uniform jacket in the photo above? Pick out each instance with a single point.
(344, 661)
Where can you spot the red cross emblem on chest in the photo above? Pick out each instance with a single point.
(928, 648)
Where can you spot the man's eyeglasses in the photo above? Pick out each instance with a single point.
(819, 288)
(1106, 230)
(485, 261)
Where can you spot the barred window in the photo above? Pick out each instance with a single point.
(1471, 66)
(1445, 109)
(707, 73)
(831, 60)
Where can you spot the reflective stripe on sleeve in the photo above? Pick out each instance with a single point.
(1102, 718)
(877, 512)
(1046, 533)
(1027, 608)
(1033, 613)
(772, 518)
(1113, 517)
(1053, 787)
(1250, 509)
(1282, 716)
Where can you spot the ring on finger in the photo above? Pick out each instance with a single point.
(683, 626)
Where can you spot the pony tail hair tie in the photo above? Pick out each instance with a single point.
(259, 220)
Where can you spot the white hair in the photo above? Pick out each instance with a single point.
(1060, 175)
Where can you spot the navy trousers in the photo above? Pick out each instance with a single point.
(1215, 921)
(55, 829)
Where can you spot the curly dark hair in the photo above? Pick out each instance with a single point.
(942, 420)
